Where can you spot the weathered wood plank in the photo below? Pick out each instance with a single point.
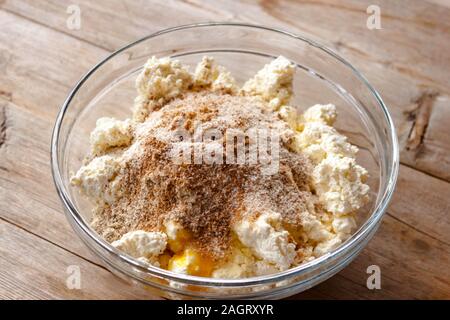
(28, 196)
(427, 147)
(423, 203)
(32, 268)
(40, 65)
(411, 265)
(411, 49)
(137, 19)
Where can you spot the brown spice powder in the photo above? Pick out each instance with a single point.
(206, 199)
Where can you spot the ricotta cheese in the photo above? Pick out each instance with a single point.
(339, 183)
(146, 246)
(267, 239)
(290, 116)
(96, 179)
(337, 179)
(209, 75)
(318, 140)
(110, 133)
(273, 83)
(163, 79)
(324, 113)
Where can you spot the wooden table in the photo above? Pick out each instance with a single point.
(408, 61)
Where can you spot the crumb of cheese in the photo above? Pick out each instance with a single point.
(209, 75)
(325, 113)
(96, 179)
(273, 83)
(163, 79)
(177, 236)
(337, 179)
(241, 263)
(318, 140)
(110, 133)
(315, 230)
(290, 115)
(267, 239)
(339, 182)
(146, 246)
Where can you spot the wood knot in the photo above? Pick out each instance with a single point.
(419, 113)
(2, 126)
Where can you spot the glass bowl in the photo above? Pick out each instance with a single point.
(321, 77)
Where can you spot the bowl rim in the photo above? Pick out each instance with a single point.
(363, 231)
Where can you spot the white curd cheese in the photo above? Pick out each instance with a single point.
(339, 183)
(209, 75)
(267, 239)
(163, 79)
(109, 133)
(273, 83)
(146, 246)
(96, 179)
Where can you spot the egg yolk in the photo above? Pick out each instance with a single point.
(192, 263)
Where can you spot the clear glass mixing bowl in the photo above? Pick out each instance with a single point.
(322, 77)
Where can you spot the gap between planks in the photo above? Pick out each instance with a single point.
(54, 29)
(225, 12)
(110, 51)
(417, 230)
(51, 242)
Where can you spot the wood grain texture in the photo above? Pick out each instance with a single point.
(33, 268)
(407, 61)
(411, 49)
